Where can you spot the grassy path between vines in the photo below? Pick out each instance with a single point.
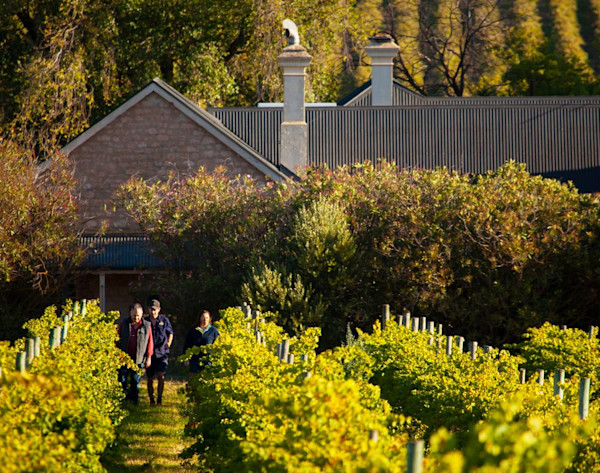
(150, 438)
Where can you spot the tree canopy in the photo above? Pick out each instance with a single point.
(38, 232)
(66, 63)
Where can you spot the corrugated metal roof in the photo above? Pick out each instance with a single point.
(471, 139)
(259, 127)
(119, 252)
(555, 136)
(402, 96)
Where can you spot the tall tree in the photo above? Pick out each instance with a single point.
(537, 65)
(565, 29)
(66, 63)
(446, 47)
(60, 64)
(69, 61)
(38, 233)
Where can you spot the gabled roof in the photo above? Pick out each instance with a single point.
(401, 95)
(198, 115)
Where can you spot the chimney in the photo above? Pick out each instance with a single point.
(294, 131)
(382, 50)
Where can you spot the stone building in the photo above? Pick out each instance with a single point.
(154, 133)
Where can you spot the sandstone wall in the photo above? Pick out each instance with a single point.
(149, 140)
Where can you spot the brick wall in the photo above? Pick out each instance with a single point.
(149, 140)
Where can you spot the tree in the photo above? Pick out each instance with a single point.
(487, 255)
(544, 72)
(226, 52)
(38, 233)
(68, 62)
(210, 229)
(446, 47)
(539, 65)
(60, 65)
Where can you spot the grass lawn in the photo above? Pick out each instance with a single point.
(151, 436)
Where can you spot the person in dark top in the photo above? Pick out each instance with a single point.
(162, 334)
(202, 333)
(135, 338)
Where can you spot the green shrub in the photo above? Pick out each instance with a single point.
(550, 348)
(250, 412)
(60, 415)
(294, 304)
(508, 442)
(487, 255)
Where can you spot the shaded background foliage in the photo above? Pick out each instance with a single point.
(489, 256)
(66, 63)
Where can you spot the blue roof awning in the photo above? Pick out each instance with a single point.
(119, 252)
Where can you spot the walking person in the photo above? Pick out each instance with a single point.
(201, 334)
(135, 338)
(162, 334)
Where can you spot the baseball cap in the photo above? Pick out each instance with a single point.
(154, 304)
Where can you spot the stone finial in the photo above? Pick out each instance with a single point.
(291, 31)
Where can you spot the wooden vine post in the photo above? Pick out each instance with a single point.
(559, 379)
(414, 456)
(385, 316)
(37, 346)
(584, 398)
(285, 350)
(21, 361)
(460, 341)
(65, 328)
(473, 350)
(30, 351)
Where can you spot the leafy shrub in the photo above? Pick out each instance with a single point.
(251, 412)
(488, 255)
(421, 381)
(45, 427)
(508, 442)
(294, 304)
(60, 415)
(38, 234)
(209, 229)
(550, 348)
(455, 392)
(322, 425)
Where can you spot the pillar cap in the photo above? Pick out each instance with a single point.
(294, 55)
(380, 38)
(382, 45)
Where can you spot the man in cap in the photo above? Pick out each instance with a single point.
(162, 333)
